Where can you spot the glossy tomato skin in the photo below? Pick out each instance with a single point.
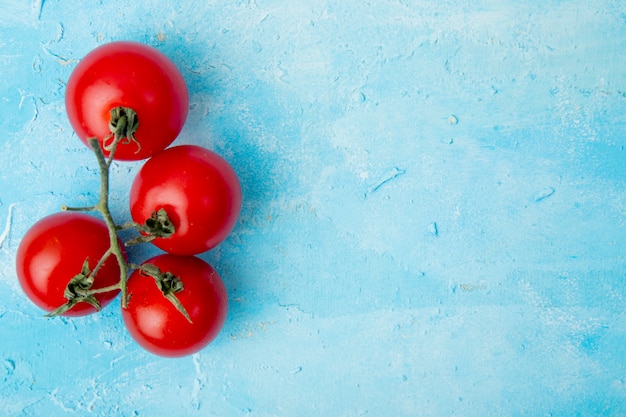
(53, 251)
(133, 75)
(155, 323)
(198, 189)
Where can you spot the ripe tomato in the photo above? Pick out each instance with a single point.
(129, 75)
(54, 250)
(198, 190)
(155, 323)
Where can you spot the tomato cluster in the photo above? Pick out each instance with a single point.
(128, 102)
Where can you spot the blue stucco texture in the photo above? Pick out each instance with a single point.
(434, 215)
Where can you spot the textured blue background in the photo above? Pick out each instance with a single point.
(434, 220)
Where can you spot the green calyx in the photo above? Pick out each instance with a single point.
(123, 125)
(169, 284)
(158, 225)
(78, 290)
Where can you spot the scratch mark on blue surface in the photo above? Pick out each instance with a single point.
(37, 63)
(62, 60)
(37, 6)
(543, 194)
(198, 383)
(58, 402)
(23, 97)
(60, 34)
(388, 176)
(7, 227)
(9, 367)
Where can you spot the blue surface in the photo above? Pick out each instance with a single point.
(434, 220)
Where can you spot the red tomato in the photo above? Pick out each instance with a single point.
(54, 250)
(155, 323)
(130, 75)
(197, 188)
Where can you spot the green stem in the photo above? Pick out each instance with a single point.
(129, 225)
(159, 225)
(110, 288)
(67, 208)
(101, 262)
(103, 207)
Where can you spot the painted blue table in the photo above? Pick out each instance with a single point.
(434, 215)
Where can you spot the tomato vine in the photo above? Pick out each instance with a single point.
(115, 249)
(70, 256)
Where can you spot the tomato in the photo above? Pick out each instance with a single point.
(54, 250)
(127, 75)
(155, 322)
(199, 191)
